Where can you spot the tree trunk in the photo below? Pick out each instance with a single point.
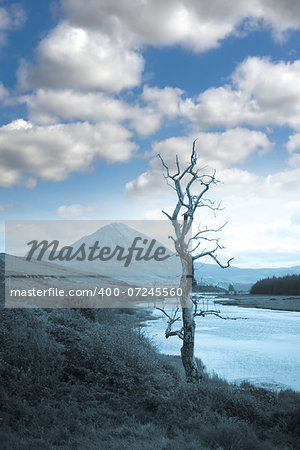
(187, 349)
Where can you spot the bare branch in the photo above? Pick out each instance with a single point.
(171, 320)
(216, 240)
(164, 164)
(207, 230)
(194, 249)
(168, 183)
(219, 263)
(205, 253)
(178, 168)
(169, 217)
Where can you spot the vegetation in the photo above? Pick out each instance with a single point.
(287, 285)
(89, 379)
(208, 288)
(231, 289)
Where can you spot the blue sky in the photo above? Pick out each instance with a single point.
(91, 90)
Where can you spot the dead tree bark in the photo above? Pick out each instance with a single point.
(188, 202)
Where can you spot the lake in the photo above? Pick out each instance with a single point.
(262, 346)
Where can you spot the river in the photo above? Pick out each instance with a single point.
(261, 346)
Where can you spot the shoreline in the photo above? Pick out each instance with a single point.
(266, 301)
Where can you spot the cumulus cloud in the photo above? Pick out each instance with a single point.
(98, 44)
(75, 210)
(99, 48)
(191, 23)
(51, 106)
(12, 17)
(262, 93)
(55, 141)
(74, 57)
(219, 150)
(165, 102)
(153, 22)
(52, 152)
(145, 116)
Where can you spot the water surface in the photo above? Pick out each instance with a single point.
(261, 346)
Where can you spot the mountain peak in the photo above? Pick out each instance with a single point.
(118, 225)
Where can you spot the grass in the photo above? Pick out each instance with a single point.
(89, 379)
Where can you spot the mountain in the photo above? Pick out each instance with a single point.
(139, 272)
(241, 279)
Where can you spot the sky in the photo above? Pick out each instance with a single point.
(92, 90)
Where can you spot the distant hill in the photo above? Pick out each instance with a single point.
(138, 272)
(287, 285)
(241, 279)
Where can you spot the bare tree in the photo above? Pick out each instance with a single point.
(189, 200)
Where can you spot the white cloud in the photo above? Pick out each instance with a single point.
(280, 16)
(72, 57)
(194, 24)
(153, 22)
(50, 106)
(216, 151)
(160, 104)
(52, 152)
(165, 101)
(75, 210)
(98, 44)
(262, 93)
(145, 116)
